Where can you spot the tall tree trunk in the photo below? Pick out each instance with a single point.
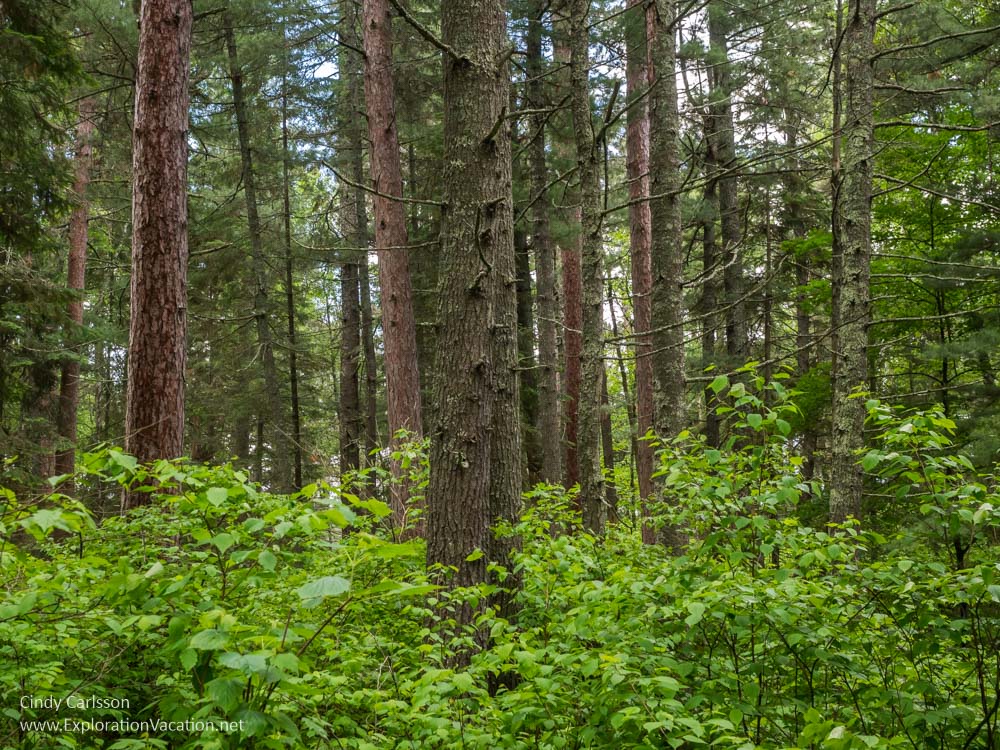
(640, 241)
(69, 385)
(667, 253)
(371, 363)
(526, 359)
(721, 109)
(270, 416)
(402, 378)
(350, 343)
(710, 286)
(571, 276)
(545, 258)
(154, 421)
(476, 445)
(592, 263)
(293, 364)
(853, 306)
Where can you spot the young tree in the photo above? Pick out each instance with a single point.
(154, 421)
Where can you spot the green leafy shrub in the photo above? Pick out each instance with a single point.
(298, 617)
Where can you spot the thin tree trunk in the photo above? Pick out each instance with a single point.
(572, 284)
(371, 363)
(476, 445)
(724, 133)
(854, 313)
(545, 259)
(709, 288)
(350, 344)
(592, 287)
(154, 421)
(667, 253)
(398, 324)
(608, 450)
(293, 365)
(623, 374)
(69, 385)
(640, 242)
(270, 415)
(526, 359)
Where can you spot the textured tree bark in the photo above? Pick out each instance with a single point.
(545, 259)
(69, 384)
(398, 325)
(640, 241)
(721, 109)
(853, 304)
(154, 421)
(270, 417)
(667, 252)
(476, 444)
(592, 262)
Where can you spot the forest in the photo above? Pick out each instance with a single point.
(527, 374)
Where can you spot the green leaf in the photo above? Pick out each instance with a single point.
(189, 657)
(719, 384)
(474, 555)
(871, 460)
(217, 495)
(267, 560)
(223, 541)
(323, 587)
(755, 420)
(209, 640)
(225, 692)
(697, 610)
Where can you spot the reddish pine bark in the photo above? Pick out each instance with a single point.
(398, 325)
(69, 386)
(154, 415)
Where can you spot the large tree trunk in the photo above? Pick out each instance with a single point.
(476, 444)
(545, 259)
(667, 252)
(853, 306)
(724, 133)
(592, 257)
(69, 385)
(270, 417)
(154, 422)
(640, 241)
(398, 324)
